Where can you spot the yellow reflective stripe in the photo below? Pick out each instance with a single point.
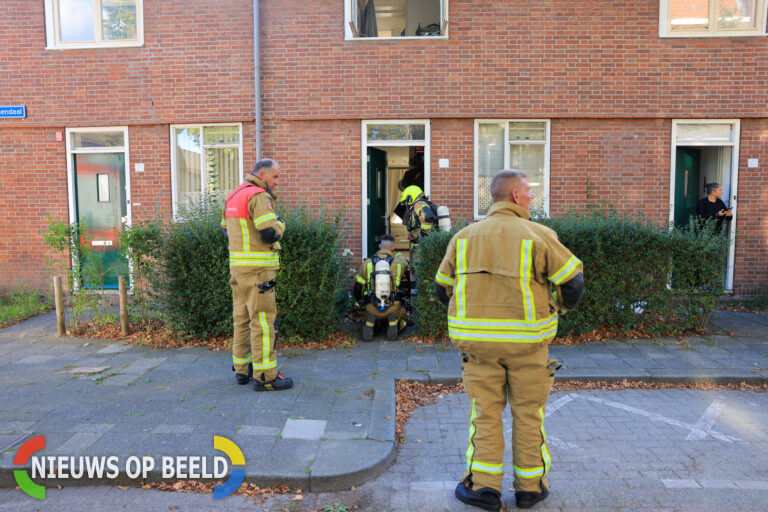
(426, 227)
(223, 222)
(501, 336)
(461, 268)
(544, 449)
(500, 324)
(471, 446)
(369, 267)
(246, 237)
(397, 276)
(444, 279)
(264, 218)
(254, 263)
(264, 337)
(394, 322)
(253, 254)
(561, 275)
(359, 279)
(265, 366)
(242, 360)
(529, 473)
(525, 279)
(493, 469)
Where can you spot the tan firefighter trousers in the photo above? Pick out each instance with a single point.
(396, 308)
(254, 313)
(518, 372)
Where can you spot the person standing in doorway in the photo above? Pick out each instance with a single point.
(713, 207)
(497, 278)
(254, 231)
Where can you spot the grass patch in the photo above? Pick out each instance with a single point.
(20, 304)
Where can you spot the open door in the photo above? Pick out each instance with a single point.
(686, 184)
(377, 197)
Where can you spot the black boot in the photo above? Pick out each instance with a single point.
(485, 498)
(393, 324)
(368, 329)
(527, 499)
(279, 383)
(243, 379)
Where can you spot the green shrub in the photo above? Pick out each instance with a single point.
(21, 303)
(311, 289)
(628, 267)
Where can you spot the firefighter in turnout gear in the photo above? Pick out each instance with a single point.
(420, 214)
(497, 278)
(380, 286)
(254, 232)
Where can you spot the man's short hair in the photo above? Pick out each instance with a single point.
(387, 238)
(711, 187)
(500, 183)
(265, 164)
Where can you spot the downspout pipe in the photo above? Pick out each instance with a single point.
(257, 76)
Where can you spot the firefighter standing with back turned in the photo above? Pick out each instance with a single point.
(254, 232)
(497, 277)
(380, 285)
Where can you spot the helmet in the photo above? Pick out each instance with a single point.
(410, 194)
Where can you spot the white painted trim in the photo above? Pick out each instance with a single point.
(666, 32)
(348, 36)
(71, 178)
(52, 35)
(736, 127)
(547, 149)
(364, 162)
(172, 146)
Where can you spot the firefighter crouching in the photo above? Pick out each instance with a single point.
(379, 285)
(497, 278)
(254, 232)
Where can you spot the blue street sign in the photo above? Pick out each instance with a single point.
(13, 111)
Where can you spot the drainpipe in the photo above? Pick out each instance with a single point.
(257, 77)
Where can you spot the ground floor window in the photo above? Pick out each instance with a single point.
(205, 159)
(510, 144)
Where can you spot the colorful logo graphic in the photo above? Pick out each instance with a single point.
(22, 477)
(235, 478)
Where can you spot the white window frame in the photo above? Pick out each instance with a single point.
(507, 142)
(736, 131)
(52, 30)
(399, 143)
(349, 34)
(665, 29)
(68, 132)
(174, 184)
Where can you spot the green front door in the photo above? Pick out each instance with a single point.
(377, 197)
(686, 184)
(101, 208)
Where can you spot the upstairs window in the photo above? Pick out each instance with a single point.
(396, 19)
(712, 18)
(94, 23)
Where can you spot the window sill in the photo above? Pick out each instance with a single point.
(711, 36)
(406, 38)
(97, 46)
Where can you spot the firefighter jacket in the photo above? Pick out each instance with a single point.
(420, 220)
(499, 274)
(364, 284)
(253, 227)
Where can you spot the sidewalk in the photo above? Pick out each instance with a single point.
(335, 429)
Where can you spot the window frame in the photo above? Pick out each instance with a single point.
(665, 29)
(174, 179)
(547, 147)
(53, 34)
(349, 34)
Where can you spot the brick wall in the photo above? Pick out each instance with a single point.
(751, 270)
(552, 58)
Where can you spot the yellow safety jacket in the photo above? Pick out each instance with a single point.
(499, 273)
(416, 220)
(365, 274)
(249, 210)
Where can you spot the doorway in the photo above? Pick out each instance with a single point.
(99, 201)
(393, 152)
(703, 152)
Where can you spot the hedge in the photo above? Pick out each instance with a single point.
(629, 265)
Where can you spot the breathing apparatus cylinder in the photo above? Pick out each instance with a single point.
(444, 218)
(382, 276)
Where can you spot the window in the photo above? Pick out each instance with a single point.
(94, 23)
(204, 160)
(712, 18)
(521, 145)
(384, 19)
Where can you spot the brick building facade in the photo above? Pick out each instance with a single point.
(618, 103)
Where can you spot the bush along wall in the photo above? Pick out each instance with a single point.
(186, 265)
(636, 274)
